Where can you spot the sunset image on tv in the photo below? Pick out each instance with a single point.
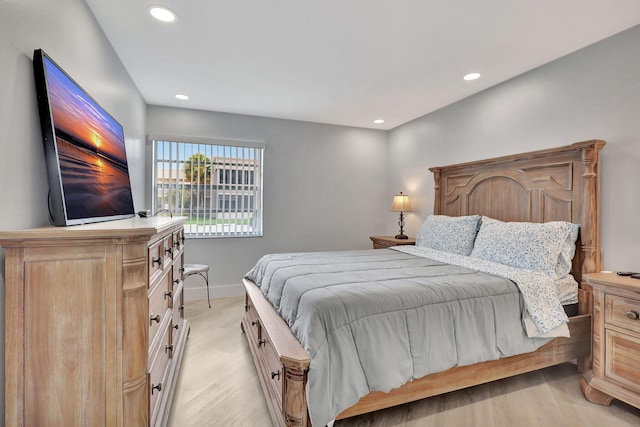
(91, 151)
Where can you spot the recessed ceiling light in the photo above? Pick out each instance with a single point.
(472, 76)
(378, 121)
(162, 13)
(182, 97)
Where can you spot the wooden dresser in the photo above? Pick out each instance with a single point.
(95, 329)
(616, 340)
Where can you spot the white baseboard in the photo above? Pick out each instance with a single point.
(200, 293)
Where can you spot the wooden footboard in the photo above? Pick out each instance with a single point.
(280, 360)
(282, 365)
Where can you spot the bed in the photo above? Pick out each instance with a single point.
(560, 184)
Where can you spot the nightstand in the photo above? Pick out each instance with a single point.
(616, 340)
(381, 242)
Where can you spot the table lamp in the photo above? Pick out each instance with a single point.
(401, 204)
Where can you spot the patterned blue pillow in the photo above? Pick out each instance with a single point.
(453, 234)
(548, 247)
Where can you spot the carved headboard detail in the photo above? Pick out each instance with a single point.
(559, 184)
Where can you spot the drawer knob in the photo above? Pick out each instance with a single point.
(254, 323)
(176, 281)
(168, 347)
(168, 294)
(155, 318)
(175, 326)
(275, 374)
(633, 315)
(156, 260)
(261, 342)
(168, 250)
(156, 387)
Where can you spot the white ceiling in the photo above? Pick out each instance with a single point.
(345, 62)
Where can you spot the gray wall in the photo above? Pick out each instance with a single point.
(67, 31)
(325, 188)
(591, 94)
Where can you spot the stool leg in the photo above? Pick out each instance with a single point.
(206, 278)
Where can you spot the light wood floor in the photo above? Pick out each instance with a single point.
(218, 387)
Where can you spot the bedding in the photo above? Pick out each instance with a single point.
(360, 313)
(543, 247)
(454, 234)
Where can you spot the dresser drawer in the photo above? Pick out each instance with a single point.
(177, 273)
(178, 242)
(168, 250)
(622, 359)
(252, 319)
(158, 372)
(271, 370)
(622, 312)
(158, 305)
(155, 262)
(178, 306)
(274, 369)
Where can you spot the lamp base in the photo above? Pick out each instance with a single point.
(402, 236)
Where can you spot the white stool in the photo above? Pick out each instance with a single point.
(202, 270)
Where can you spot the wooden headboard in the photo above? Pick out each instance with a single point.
(559, 184)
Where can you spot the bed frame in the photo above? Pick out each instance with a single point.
(547, 185)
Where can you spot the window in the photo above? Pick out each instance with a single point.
(216, 184)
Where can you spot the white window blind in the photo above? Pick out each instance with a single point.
(216, 184)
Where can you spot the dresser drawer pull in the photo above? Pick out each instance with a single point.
(155, 318)
(176, 281)
(168, 347)
(168, 294)
(175, 326)
(254, 323)
(156, 261)
(168, 250)
(261, 342)
(156, 387)
(275, 374)
(633, 315)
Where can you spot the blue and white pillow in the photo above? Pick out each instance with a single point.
(544, 247)
(454, 234)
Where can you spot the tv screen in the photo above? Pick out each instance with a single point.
(84, 151)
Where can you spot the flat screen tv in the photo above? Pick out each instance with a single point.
(84, 151)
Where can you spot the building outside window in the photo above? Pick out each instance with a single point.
(216, 184)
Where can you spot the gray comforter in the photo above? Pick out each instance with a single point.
(376, 319)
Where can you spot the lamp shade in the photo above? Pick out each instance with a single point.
(401, 203)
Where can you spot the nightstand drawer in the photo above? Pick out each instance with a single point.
(622, 312)
(382, 242)
(621, 362)
(382, 245)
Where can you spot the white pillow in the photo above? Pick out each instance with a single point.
(545, 247)
(453, 234)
